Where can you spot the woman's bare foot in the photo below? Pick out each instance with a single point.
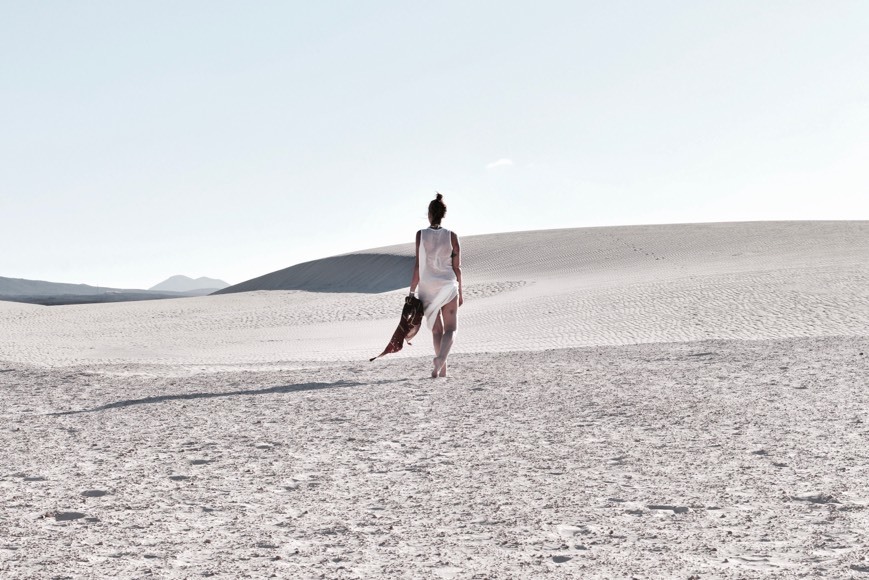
(443, 372)
(439, 364)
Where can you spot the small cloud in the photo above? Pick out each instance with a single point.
(499, 163)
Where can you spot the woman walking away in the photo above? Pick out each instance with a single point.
(437, 275)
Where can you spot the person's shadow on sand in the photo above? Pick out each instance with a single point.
(281, 389)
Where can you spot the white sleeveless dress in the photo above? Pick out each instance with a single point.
(437, 280)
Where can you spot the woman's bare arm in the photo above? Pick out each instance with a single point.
(414, 280)
(457, 263)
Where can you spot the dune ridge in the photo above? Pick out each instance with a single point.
(616, 253)
(60, 294)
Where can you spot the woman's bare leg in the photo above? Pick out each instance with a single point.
(437, 334)
(450, 324)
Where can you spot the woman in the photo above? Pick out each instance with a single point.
(437, 275)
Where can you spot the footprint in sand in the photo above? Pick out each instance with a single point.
(673, 508)
(566, 531)
(816, 498)
(447, 572)
(66, 516)
(756, 561)
(94, 493)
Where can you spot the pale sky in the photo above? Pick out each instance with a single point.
(230, 139)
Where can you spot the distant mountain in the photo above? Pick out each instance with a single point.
(189, 285)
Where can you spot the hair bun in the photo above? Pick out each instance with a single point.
(439, 197)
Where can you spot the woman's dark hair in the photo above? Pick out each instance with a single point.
(438, 209)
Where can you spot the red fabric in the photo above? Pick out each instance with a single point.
(408, 326)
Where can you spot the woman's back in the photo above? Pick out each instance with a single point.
(436, 255)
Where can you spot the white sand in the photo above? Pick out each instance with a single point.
(702, 412)
(534, 290)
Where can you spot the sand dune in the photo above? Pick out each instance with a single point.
(653, 402)
(55, 294)
(23, 287)
(525, 291)
(368, 272)
(594, 255)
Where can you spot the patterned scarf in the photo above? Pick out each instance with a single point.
(408, 326)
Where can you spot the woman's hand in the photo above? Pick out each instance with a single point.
(461, 298)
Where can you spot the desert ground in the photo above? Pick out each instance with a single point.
(667, 401)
